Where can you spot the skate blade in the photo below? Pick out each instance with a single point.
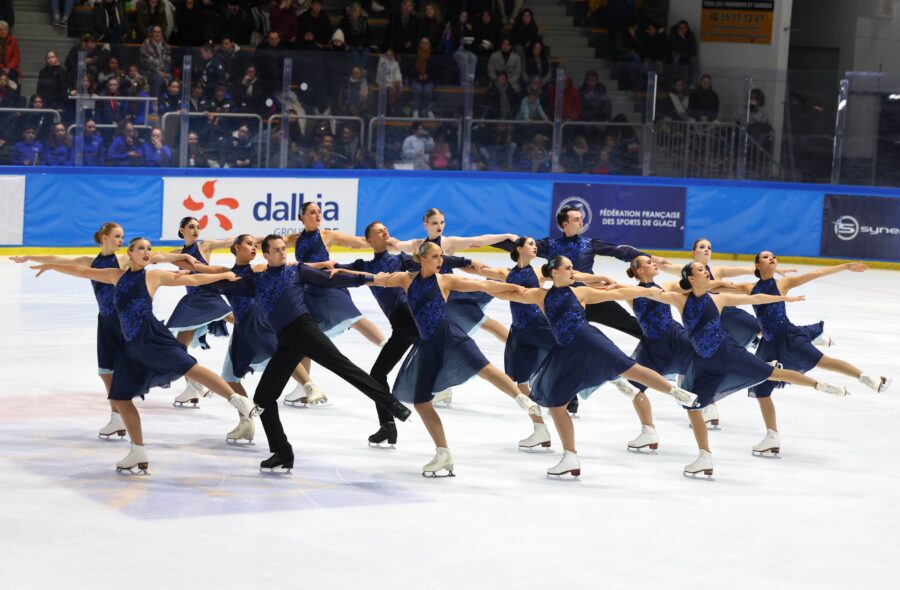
(885, 384)
(237, 441)
(276, 470)
(194, 403)
(575, 473)
(438, 474)
(307, 406)
(135, 470)
(121, 434)
(704, 475)
(541, 449)
(709, 426)
(644, 450)
(383, 446)
(767, 454)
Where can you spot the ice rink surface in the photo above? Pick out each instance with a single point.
(825, 515)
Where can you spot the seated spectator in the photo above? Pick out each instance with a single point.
(538, 66)
(357, 35)
(109, 70)
(269, 62)
(197, 96)
(504, 59)
(110, 21)
(624, 157)
(28, 151)
(487, 36)
(423, 80)
(524, 34)
(170, 101)
(432, 24)
(675, 107)
(58, 149)
(704, 101)
(10, 56)
(93, 58)
(143, 111)
(238, 150)
(534, 159)
(156, 60)
(577, 158)
(759, 128)
(94, 151)
(655, 49)
(41, 121)
(315, 19)
(418, 146)
(683, 50)
(237, 24)
(60, 11)
(462, 38)
(442, 158)
(595, 102)
(217, 128)
(213, 74)
(51, 83)
(530, 108)
(112, 110)
(347, 145)
(235, 59)
(283, 20)
(389, 75)
(248, 94)
(627, 51)
(156, 152)
(196, 156)
(354, 93)
(402, 35)
(126, 148)
(133, 82)
(149, 13)
(9, 99)
(503, 100)
(571, 100)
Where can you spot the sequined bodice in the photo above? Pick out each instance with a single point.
(565, 314)
(194, 250)
(104, 292)
(704, 324)
(653, 316)
(578, 249)
(523, 313)
(427, 304)
(271, 283)
(133, 302)
(240, 304)
(770, 316)
(310, 247)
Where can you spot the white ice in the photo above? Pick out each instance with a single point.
(825, 515)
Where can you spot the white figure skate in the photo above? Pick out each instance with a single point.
(443, 461)
(876, 384)
(115, 426)
(684, 396)
(245, 430)
(569, 464)
(702, 466)
(626, 388)
(307, 395)
(191, 395)
(823, 341)
(135, 459)
(540, 438)
(531, 408)
(443, 398)
(646, 442)
(838, 390)
(244, 406)
(711, 416)
(770, 444)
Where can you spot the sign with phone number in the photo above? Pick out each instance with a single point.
(737, 21)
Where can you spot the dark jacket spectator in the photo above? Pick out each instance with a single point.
(10, 55)
(537, 65)
(432, 24)
(525, 31)
(237, 24)
(402, 34)
(149, 13)
(704, 102)
(110, 21)
(212, 14)
(236, 60)
(196, 156)
(674, 106)
(248, 92)
(239, 151)
(51, 83)
(682, 44)
(487, 35)
(170, 100)
(94, 56)
(357, 33)
(655, 48)
(502, 99)
(315, 19)
(58, 149)
(111, 111)
(595, 102)
(189, 24)
(283, 19)
(41, 121)
(269, 61)
(213, 69)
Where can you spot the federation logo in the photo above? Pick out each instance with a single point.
(209, 191)
(846, 227)
(580, 204)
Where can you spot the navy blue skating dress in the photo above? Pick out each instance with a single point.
(443, 356)
(109, 331)
(583, 358)
(530, 337)
(782, 341)
(253, 341)
(665, 346)
(465, 309)
(721, 366)
(202, 310)
(150, 357)
(739, 324)
(332, 309)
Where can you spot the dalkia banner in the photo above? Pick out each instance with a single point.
(642, 216)
(861, 227)
(259, 206)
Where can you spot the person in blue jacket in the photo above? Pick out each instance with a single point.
(28, 151)
(58, 151)
(157, 153)
(126, 149)
(94, 149)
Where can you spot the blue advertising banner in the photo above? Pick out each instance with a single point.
(861, 227)
(643, 216)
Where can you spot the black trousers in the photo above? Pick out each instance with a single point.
(403, 335)
(303, 338)
(610, 313)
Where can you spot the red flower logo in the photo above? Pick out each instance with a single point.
(209, 191)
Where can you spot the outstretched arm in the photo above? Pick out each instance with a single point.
(728, 299)
(393, 279)
(736, 271)
(182, 261)
(395, 245)
(788, 283)
(67, 260)
(455, 283)
(109, 276)
(458, 243)
(164, 278)
(588, 295)
(345, 240)
(623, 252)
(499, 274)
(335, 279)
(593, 280)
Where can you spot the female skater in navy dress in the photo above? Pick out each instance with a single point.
(721, 365)
(583, 358)
(201, 311)
(444, 355)
(791, 346)
(109, 334)
(150, 355)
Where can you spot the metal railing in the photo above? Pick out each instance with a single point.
(72, 128)
(252, 116)
(329, 118)
(56, 117)
(508, 140)
(409, 121)
(88, 100)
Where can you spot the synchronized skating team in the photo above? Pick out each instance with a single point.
(284, 314)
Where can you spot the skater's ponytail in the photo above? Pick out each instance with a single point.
(184, 221)
(237, 242)
(756, 262)
(514, 253)
(551, 265)
(686, 273)
(631, 271)
(104, 230)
